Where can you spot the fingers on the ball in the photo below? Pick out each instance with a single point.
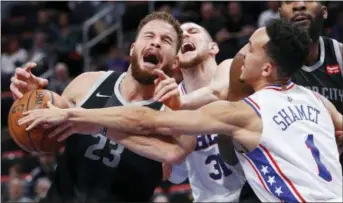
(18, 83)
(51, 106)
(27, 112)
(65, 135)
(22, 72)
(41, 81)
(34, 124)
(29, 66)
(58, 130)
(25, 120)
(15, 91)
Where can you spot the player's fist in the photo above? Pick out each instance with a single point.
(166, 90)
(24, 81)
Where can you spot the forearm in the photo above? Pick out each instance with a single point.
(198, 98)
(159, 148)
(145, 121)
(134, 120)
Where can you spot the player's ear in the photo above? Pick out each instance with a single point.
(214, 49)
(267, 69)
(131, 48)
(325, 12)
(176, 62)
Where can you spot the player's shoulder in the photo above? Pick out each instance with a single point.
(226, 64)
(81, 84)
(92, 75)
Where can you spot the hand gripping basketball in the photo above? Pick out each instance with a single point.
(166, 90)
(50, 116)
(24, 81)
(56, 118)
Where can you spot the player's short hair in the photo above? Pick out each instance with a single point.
(288, 46)
(166, 17)
(206, 32)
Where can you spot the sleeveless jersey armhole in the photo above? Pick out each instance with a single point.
(253, 104)
(94, 87)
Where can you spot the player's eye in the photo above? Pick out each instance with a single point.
(167, 41)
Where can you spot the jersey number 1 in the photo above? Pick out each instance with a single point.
(323, 171)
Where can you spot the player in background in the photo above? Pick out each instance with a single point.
(211, 179)
(322, 72)
(97, 169)
(280, 129)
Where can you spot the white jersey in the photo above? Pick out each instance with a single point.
(211, 179)
(297, 159)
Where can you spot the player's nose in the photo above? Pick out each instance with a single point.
(185, 35)
(156, 43)
(299, 6)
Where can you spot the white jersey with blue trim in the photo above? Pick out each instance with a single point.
(297, 159)
(211, 179)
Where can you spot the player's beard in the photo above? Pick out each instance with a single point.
(317, 26)
(144, 77)
(191, 63)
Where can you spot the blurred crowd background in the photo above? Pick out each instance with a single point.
(68, 38)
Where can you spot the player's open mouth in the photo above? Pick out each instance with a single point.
(299, 19)
(186, 47)
(151, 59)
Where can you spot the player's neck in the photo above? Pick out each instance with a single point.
(132, 90)
(264, 82)
(313, 54)
(197, 77)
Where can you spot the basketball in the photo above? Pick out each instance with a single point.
(35, 140)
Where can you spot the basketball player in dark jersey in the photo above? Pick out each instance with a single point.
(94, 168)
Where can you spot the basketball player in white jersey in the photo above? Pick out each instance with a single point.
(211, 179)
(284, 132)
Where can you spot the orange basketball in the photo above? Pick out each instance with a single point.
(35, 140)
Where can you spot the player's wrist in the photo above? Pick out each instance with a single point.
(73, 113)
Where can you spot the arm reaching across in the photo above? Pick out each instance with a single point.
(212, 118)
(169, 149)
(217, 90)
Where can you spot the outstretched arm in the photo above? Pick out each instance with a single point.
(166, 149)
(217, 90)
(212, 118)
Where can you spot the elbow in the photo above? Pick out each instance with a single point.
(175, 157)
